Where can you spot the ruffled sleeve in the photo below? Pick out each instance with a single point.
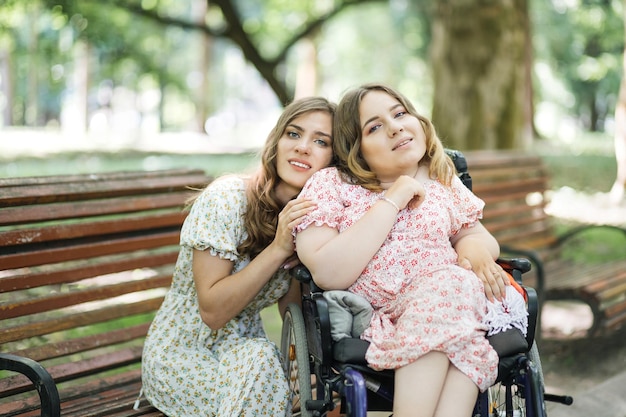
(215, 221)
(324, 187)
(467, 207)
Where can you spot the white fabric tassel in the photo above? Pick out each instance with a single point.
(508, 313)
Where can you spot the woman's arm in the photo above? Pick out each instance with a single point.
(221, 294)
(478, 250)
(335, 259)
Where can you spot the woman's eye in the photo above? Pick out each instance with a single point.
(373, 128)
(321, 142)
(293, 134)
(400, 114)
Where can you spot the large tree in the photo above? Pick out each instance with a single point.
(264, 46)
(480, 70)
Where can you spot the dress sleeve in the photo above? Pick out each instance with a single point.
(467, 208)
(215, 221)
(324, 187)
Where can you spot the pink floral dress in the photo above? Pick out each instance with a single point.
(423, 301)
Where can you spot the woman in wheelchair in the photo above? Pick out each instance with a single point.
(394, 225)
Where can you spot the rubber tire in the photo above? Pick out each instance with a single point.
(518, 401)
(295, 358)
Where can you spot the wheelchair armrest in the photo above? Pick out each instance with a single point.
(301, 273)
(510, 264)
(41, 379)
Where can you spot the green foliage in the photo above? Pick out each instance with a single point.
(126, 46)
(595, 245)
(579, 43)
(582, 41)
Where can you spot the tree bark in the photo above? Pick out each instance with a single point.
(6, 85)
(617, 190)
(478, 54)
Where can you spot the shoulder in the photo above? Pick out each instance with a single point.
(226, 193)
(326, 174)
(228, 182)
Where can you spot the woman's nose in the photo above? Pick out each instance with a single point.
(303, 147)
(394, 127)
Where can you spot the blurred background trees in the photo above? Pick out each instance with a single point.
(493, 74)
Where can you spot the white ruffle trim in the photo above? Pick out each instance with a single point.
(508, 313)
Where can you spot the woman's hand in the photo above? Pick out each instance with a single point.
(290, 216)
(406, 191)
(479, 260)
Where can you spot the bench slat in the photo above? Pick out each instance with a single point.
(86, 248)
(77, 369)
(129, 381)
(75, 320)
(81, 295)
(83, 230)
(78, 345)
(114, 205)
(101, 189)
(94, 267)
(102, 176)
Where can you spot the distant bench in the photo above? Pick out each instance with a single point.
(86, 260)
(514, 187)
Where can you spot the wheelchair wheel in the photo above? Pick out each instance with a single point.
(522, 394)
(295, 360)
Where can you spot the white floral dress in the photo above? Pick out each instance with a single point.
(189, 369)
(423, 301)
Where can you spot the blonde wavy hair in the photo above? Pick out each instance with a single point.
(261, 217)
(347, 136)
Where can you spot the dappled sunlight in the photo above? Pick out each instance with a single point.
(565, 319)
(587, 208)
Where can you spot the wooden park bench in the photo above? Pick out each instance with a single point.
(514, 187)
(85, 261)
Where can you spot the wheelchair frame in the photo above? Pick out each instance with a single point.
(324, 374)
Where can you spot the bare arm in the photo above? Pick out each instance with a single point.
(221, 294)
(478, 250)
(335, 259)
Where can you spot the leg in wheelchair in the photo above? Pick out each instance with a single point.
(442, 388)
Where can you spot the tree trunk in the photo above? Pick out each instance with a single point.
(617, 190)
(306, 75)
(478, 56)
(6, 85)
(203, 92)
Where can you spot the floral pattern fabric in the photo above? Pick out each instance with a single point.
(189, 369)
(423, 301)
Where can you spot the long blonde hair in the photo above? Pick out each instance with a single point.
(261, 217)
(347, 136)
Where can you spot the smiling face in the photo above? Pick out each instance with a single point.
(304, 148)
(393, 141)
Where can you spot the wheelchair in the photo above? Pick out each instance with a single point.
(324, 374)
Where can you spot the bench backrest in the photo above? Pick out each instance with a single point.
(513, 186)
(85, 261)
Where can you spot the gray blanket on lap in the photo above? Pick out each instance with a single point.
(350, 314)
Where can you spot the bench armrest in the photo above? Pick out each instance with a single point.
(562, 239)
(41, 379)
